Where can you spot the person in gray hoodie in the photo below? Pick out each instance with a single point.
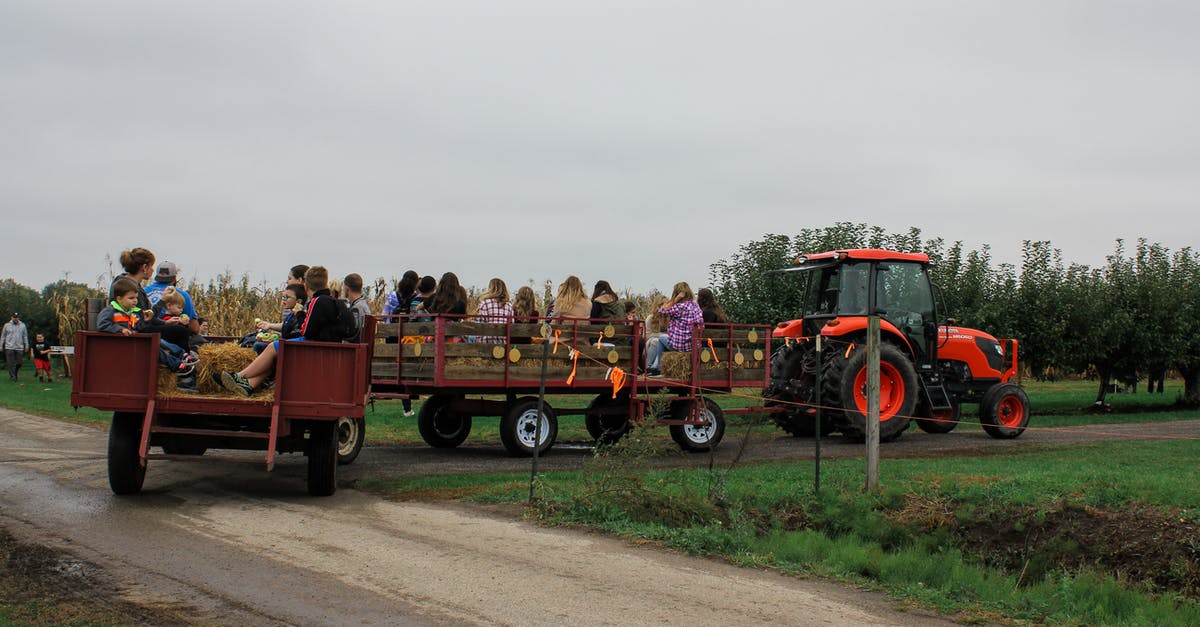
(15, 339)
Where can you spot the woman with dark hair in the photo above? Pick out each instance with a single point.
(605, 302)
(448, 297)
(138, 264)
(397, 302)
(709, 307)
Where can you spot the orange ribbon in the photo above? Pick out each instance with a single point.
(598, 339)
(557, 332)
(787, 341)
(713, 351)
(848, 349)
(618, 380)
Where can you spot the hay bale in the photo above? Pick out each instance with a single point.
(677, 365)
(218, 357)
(167, 381)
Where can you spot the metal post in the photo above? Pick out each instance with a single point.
(872, 403)
(537, 429)
(817, 435)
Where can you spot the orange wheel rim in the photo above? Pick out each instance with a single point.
(891, 391)
(1010, 412)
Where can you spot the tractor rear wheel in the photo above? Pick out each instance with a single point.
(846, 383)
(940, 420)
(1004, 411)
(792, 387)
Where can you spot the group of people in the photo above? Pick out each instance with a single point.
(161, 307)
(14, 338)
(313, 311)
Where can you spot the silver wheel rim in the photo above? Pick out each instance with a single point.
(527, 425)
(347, 430)
(701, 434)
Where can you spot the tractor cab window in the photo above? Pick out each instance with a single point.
(837, 290)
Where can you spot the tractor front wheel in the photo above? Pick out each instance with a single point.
(1004, 411)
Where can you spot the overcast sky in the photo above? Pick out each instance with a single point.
(636, 142)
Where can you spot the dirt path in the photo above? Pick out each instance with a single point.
(232, 544)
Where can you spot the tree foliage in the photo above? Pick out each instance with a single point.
(1137, 314)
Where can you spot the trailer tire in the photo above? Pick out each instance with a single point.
(351, 433)
(1004, 412)
(941, 421)
(607, 428)
(440, 427)
(517, 427)
(126, 473)
(698, 438)
(898, 390)
(322, 458)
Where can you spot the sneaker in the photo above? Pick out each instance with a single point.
(186, 369)
(409, 412)
(190, 358)
(186, 384)
(236, 383)
(653, 372)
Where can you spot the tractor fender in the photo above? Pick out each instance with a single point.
(857, 325)
(790, 328)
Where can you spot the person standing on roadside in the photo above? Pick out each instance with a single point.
(15, 339)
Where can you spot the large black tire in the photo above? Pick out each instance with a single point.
(608, 428)
(125, 470)
(940, 421)
(518, 427)
(845, 387)
(351, 432)
(698, 438)
(322, 458)
(440, 427)
(792, 386)
(1004, 411)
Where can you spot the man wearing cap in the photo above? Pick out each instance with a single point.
(167, 275)
(15, 339)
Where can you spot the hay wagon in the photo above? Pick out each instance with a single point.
(316, 384)
(467, 369)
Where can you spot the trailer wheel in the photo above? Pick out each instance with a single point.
(1004, 412)
(942, 420)
(608, 428)
(519, 424)
(897, 391)
(126, 473)
(351, 432)
(322, 458)
(440, 427)
(698, 438)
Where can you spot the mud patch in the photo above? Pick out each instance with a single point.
(1151, 547)
(43, 586)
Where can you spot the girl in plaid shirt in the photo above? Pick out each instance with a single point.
(683, 315)
(494, 308)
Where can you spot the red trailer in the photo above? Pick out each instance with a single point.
(468, 369)
(316, 384)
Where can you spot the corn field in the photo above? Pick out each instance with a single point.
(231, 304)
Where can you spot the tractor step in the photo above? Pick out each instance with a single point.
(936, 395)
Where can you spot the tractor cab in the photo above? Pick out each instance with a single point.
(843, 287)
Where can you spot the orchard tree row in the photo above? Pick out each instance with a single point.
(1137, 315)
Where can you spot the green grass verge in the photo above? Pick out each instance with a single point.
(978, 537)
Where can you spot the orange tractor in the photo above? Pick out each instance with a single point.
(927, 370)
